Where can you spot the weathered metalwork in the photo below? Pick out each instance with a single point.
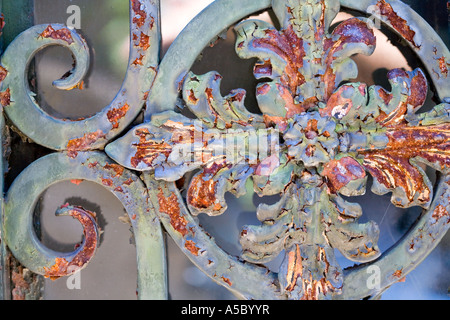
(318, 138)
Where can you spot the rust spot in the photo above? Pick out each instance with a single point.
(191, 97)
(399, 24)
(271, 121)
(417, 87)
(148, 150)
(61, 34)
(190, 245)
(391, 166)
(145, 95)
(263, 69)
(76, 181)
(92, 164)
(443, 66)
(3, 73)
(441, 212)
(295, 268)
(144, 41)
(263, 89)
(63, 267)
(310, 150)
(21, 286)
(115, 114)
(5, 97)
(118, 169)
(107, 182)
(84, 143)
(350, 31)
(227, 281)
(385, 96)
(80, 85)
(171, 207)
(340, 172)
(140, 15)
(398, 273)
(118, 189)
(289, 47)
(128, 181)
(202, 193)
(138, 61)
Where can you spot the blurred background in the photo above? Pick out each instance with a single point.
(112, 273)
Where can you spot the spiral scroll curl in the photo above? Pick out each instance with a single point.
(93, 166)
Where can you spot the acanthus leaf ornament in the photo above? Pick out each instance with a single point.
(317, 140)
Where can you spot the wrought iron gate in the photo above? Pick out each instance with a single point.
(317, 139)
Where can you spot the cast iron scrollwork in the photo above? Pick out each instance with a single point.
(317, 139)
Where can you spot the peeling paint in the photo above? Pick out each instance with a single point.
(61, 34)
(115, 114)
(399, 24)
(5, 97)
(171, 207)
(190, 245)
(84, 143)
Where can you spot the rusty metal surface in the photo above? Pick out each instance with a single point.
(318, 138)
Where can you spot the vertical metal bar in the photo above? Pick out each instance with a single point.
(4, 273)
(18, 16)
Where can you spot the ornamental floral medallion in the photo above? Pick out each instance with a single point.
(320, 139)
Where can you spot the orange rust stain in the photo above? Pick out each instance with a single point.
(76, 181)
(391, 166)
(227, 281)
(63, 267)
(443, 66)
(340, 172)
(295, 268)
(140, 15)
(138, 61)
(264, 68)
(80, 85)
(128, 181)
(192, 98)
(290, 48)
(398, 273)
(3, 73)
(115, 114)
(418, 89)
(21, 286)
(311, 288)
(399, 24)
(107, 182)
(118, 189)
(144, 41)
(56, 270)
(171, 207)
(148, 150)
(61, 34)
(350, 31)
(271, 121)
(190, 245)
(440, 212)
(84, 143)
(5, 97)
(202, 193)
(118, 169)
(92, 164)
